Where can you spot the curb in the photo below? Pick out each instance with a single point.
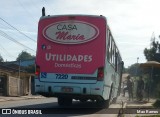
(20, 98)
(135, 106)
(33, 97)
(141, 105)
(121, 110)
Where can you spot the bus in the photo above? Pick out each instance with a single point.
(77, 58)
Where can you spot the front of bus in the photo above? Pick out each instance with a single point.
(70, 57)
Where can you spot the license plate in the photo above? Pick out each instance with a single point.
(67, 89)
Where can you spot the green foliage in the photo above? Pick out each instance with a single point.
(150, 54)
(153, 54)
(134, 70)
(125, 70)
(30, 69)
(24, 56)
(157, 103)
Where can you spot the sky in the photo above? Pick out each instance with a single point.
(132, 22)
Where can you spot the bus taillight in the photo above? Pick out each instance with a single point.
(100, 75)
(37, 70)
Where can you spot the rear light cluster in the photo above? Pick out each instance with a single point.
(37, 70)
(100, 75)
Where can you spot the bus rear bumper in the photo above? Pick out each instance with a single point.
(74, 91)
(73, 96)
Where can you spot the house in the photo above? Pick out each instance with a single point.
(14, 80)
(22, 63)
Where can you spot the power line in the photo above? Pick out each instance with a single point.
(17, 29)
(6, 26)
(12, 39)
(25, 9)
(5, 35)
(6, 52)
(34, 4)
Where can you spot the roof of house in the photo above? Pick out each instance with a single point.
(10, 68)
(22, 62)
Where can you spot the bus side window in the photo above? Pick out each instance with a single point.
(114, 54)
(120, 65)
(108, 46)
(111, 49)
(116, 61)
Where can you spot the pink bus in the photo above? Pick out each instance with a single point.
(77, 58)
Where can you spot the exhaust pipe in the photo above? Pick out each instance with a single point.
(43, 12)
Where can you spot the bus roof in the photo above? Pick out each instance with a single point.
(71, 15)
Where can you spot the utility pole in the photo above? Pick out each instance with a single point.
(137, 66)
(137, 59)
(19, 73)
(152, 39)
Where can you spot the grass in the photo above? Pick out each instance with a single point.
(157, 103)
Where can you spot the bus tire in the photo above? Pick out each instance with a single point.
(69, 101)
(105, 103)
(64, 101)
(102, 103)
(60, 101)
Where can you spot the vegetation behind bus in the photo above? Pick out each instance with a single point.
(151, 54)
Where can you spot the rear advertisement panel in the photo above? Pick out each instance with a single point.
(74, 45)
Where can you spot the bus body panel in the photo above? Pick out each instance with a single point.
(70, 51)
(76, 88)
(70, 78)
(73, 58)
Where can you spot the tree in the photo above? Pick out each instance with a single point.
(151, 54)
(30, 69)
(1, 59)
(134, 70)
(25, 56)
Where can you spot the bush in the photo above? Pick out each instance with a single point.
(157, 103)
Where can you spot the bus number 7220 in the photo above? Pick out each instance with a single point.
(61, 76)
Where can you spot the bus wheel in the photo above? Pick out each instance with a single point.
(64, 101)
(61, 101)
(102, 103)
(68, 101)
